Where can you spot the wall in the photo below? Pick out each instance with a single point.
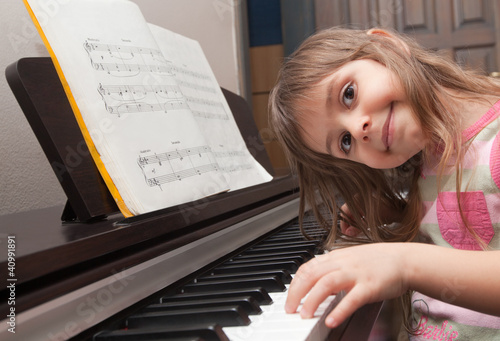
(266, 56)
(276, 29)
(26, 179)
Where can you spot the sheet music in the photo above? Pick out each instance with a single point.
(206, 100)
(142, 110)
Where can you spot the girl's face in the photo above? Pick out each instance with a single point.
(361, 113)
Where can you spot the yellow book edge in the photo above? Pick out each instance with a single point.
(86, 135)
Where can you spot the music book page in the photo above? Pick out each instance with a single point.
(148, 104)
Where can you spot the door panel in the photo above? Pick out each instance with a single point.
(467, 30)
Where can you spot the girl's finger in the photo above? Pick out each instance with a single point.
(324, 287)
(351, 302)
(304, 279)
(299, 287)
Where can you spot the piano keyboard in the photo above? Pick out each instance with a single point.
(241, 299)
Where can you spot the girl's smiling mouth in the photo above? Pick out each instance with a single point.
(386, 129)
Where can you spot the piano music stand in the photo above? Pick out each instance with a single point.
(37, 88)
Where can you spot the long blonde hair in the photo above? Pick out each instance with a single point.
(323, 178)
(330, 181)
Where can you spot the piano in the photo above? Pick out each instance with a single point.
(214, 269)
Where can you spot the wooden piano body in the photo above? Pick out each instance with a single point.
(76, 275)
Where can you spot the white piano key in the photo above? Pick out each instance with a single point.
(274, 324)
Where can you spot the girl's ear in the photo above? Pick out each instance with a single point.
(383, 33)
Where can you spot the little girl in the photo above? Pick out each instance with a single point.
(402, 145)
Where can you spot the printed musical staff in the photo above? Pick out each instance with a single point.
(125, 108)
(176, 154)
(231, 161)
(177, 165)
(201, 93)
(230, 154)
(136, 92)
(119, 60)
(180, 70)
(120, 99)
(129, 61)
(207, 108)
(235, 168)
(129, 69)
(121, 51)
(197, 86)
(125, 61)
(180, 175)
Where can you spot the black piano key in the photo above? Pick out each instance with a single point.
(247, 303)
(298, 259)
(293, 237)
(280, 243)
(311, 246)
(226, 316)
(290, 265)
(287, 240)
(269, 283)
(283, 275)
(211, 332)
(259, 294)
(302, 255)
(295, 231)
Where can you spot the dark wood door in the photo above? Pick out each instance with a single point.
(467, 30)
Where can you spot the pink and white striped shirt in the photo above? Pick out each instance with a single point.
(442, 225)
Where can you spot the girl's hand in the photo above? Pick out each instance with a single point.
(367, 273)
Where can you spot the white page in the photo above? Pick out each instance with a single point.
(210, 108)
(139, 121)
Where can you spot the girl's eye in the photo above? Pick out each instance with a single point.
(345, 143)
(348, 95)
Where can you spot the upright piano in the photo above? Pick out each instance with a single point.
(214, 269)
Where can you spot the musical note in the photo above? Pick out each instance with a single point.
(128, 61)
(132, 98)
(176, 154)
(176, 165)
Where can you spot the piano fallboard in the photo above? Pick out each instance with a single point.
(77, 254)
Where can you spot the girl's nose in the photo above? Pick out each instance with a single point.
(361, 130)
(365, 131)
